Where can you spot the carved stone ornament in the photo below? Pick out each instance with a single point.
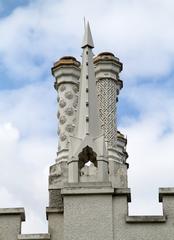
(62, 88)
(62, 103)
(74, 120)
(75, 89)
(62, 119)
(69, 95)
(75, 103)
(69, 128)
(69, 111)
(63, 137)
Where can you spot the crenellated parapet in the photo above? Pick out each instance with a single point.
(10, 222)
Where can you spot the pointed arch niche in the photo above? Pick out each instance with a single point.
(87, 155)
(87, 164)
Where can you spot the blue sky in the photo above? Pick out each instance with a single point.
(7, 6)
(34, 34)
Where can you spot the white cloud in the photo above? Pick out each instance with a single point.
(150, 148)
(33, 37)
(28, 143)
(30, 108)
(8, 132)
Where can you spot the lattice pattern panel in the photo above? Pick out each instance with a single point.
(107, 91)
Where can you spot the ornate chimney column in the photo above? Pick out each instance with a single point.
(66, 72)
(90, 169)
(107, 69)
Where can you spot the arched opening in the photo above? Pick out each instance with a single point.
(87, 156)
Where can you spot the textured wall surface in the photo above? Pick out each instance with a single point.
(10, 227)
(88, 217)
(96, 217)
(56, 226)
(140, 230)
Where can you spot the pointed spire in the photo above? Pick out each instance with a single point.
(88, 121)
(88, 131)
(87, 40)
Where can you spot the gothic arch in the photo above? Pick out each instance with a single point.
(87, 154)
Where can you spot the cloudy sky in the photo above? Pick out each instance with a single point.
(33, 35)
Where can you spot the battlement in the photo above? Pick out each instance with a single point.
(10, 222)
(115, 202)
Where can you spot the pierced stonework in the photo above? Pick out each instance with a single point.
(62, 119)
(63, 137)
(69, 111)
(69, 95)
(69, 128)
(62, 103)
(62, 88)
(87, 155)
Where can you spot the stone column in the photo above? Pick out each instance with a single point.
(66, 72)
(107, 69)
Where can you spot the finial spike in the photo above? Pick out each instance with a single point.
(87, 40)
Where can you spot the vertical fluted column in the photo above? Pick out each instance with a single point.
(66, 72)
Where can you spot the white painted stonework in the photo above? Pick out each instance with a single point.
(88, 189)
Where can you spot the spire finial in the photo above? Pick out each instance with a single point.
(88, 120)
(87, 40)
